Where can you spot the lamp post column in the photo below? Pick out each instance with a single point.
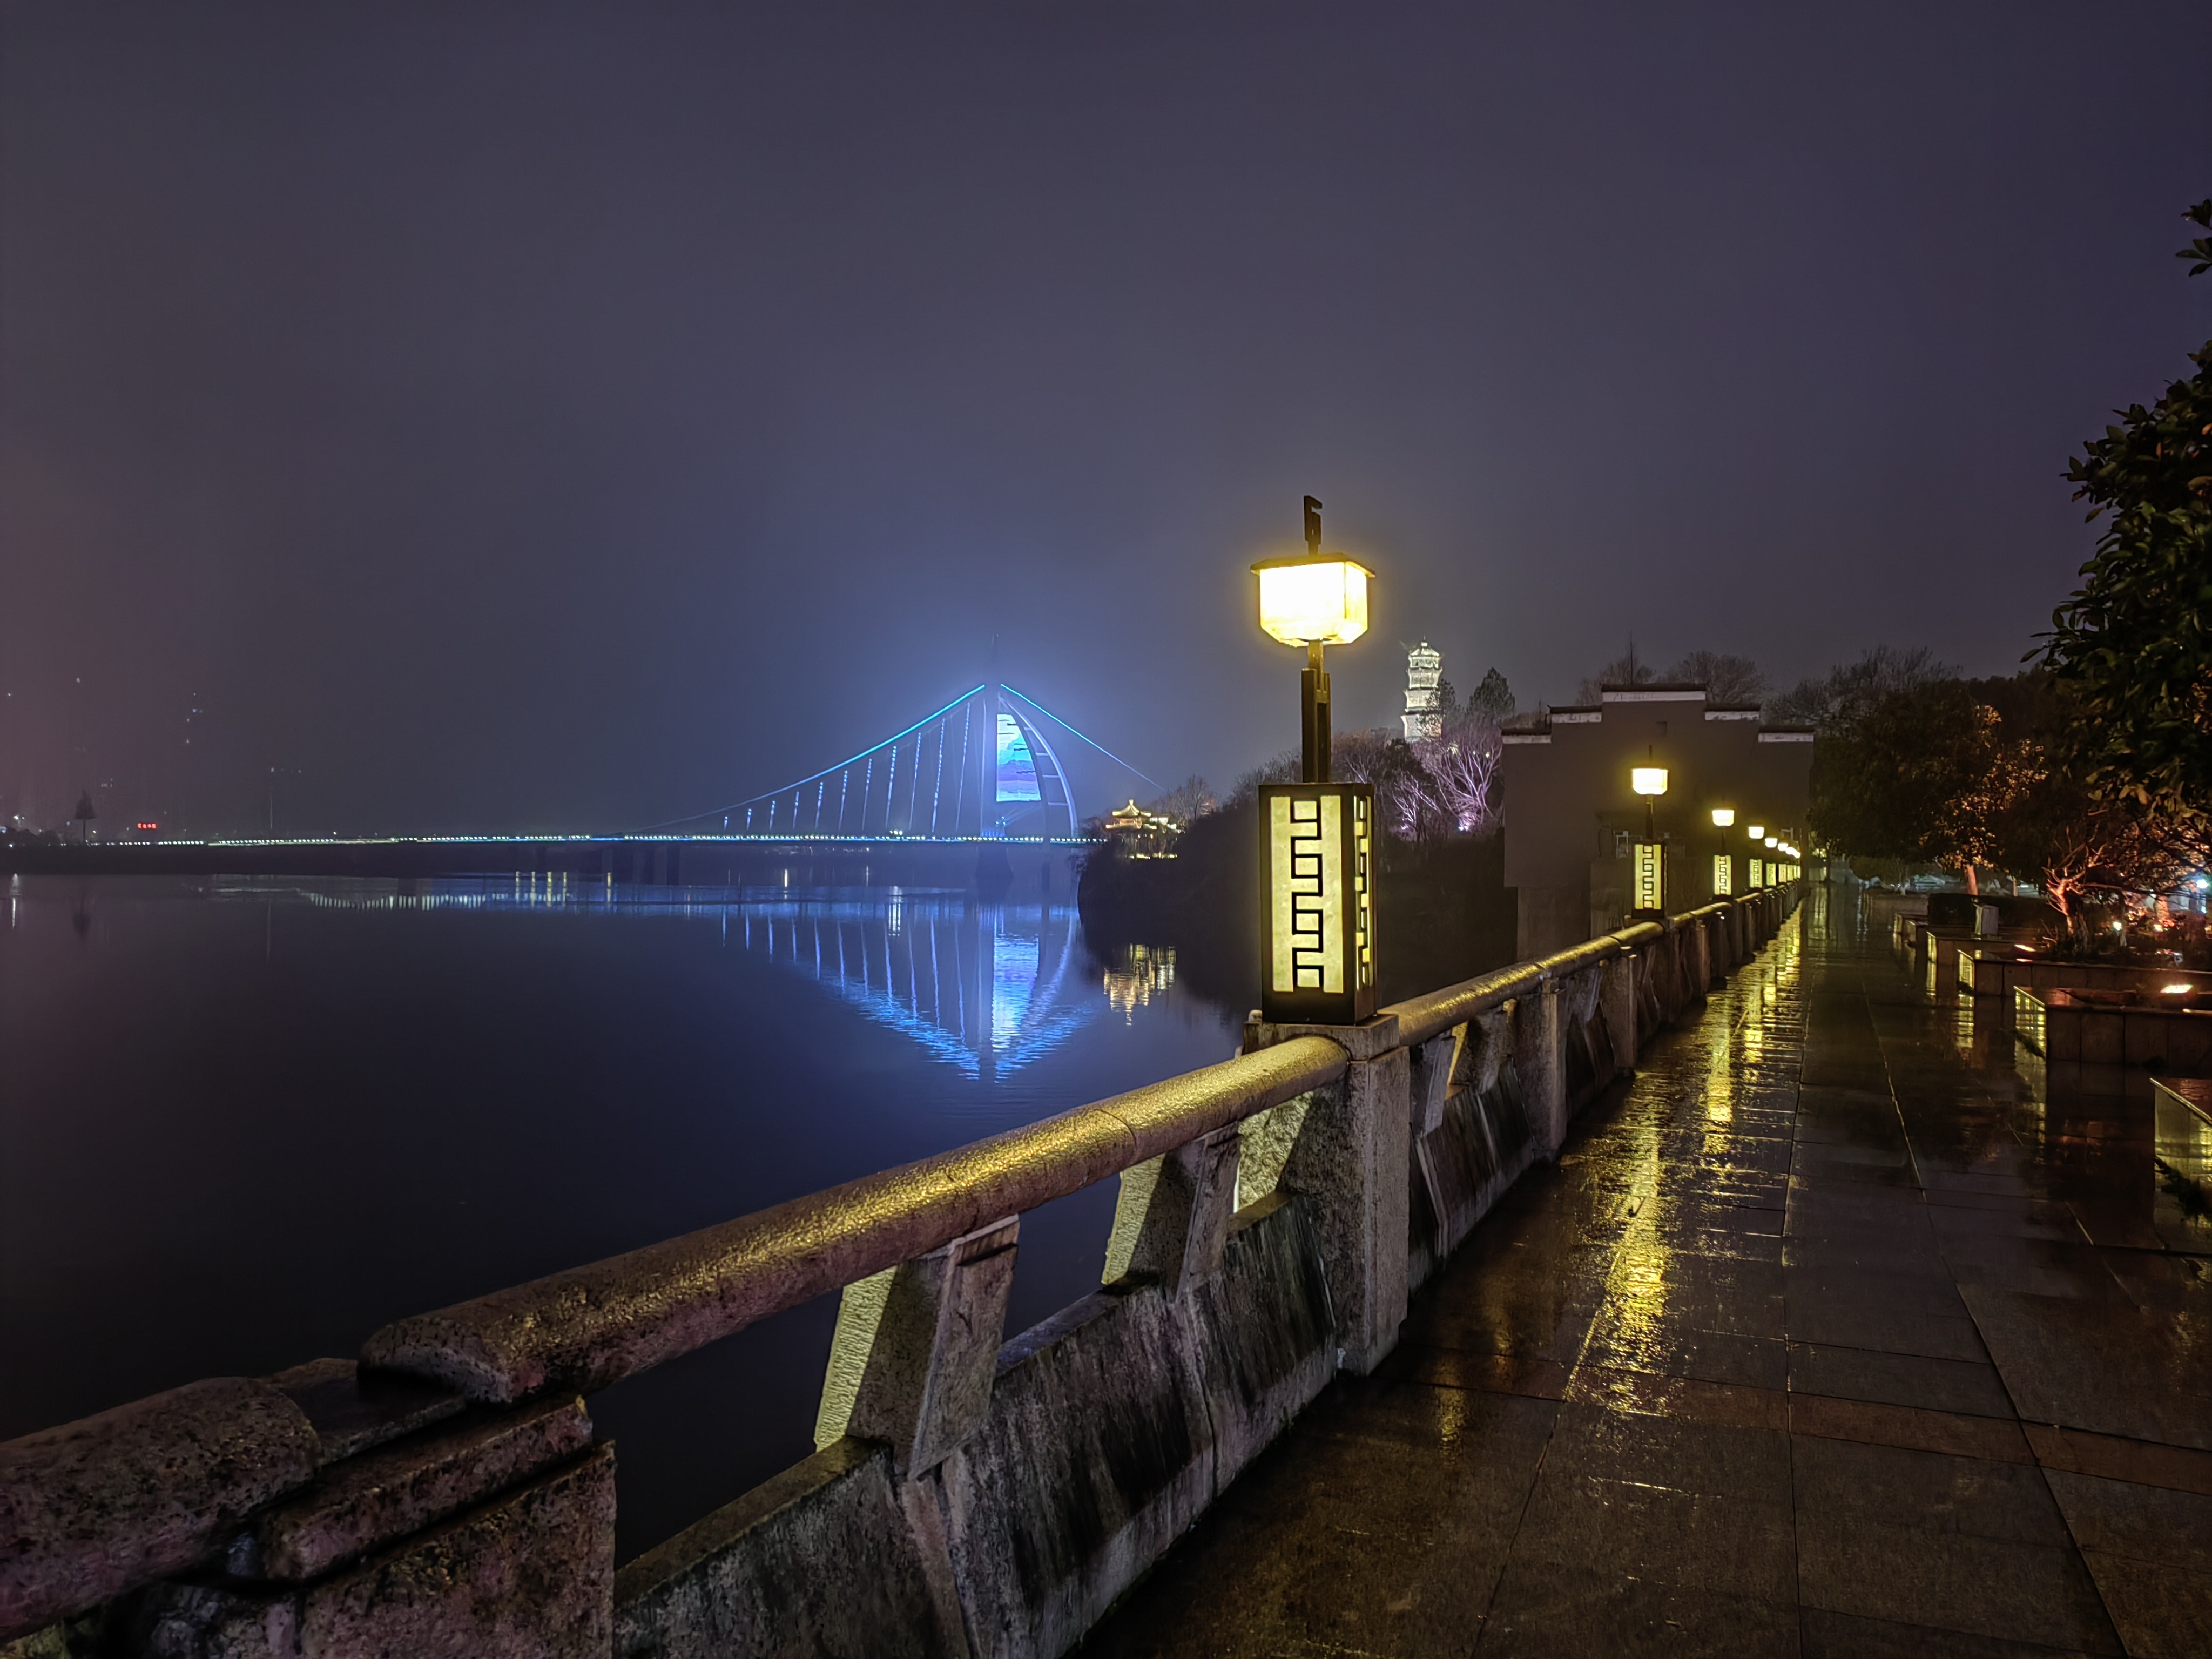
(1315, 737)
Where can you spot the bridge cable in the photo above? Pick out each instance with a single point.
(868, 753)
(1093, 742)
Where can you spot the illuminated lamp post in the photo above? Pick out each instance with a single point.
(1755, 875)
(1317, 913)
(1649, 876)
(1723, 866)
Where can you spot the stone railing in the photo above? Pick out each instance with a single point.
(445, 1494)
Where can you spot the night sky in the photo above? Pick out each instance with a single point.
(544, 416)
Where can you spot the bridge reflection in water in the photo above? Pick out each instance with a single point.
(987, 988)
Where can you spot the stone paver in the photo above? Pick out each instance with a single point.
(1830, 1334)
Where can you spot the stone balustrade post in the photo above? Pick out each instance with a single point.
(1616, 1000)
(1350, 1162)
(1666, 957)
(915, 1348)
(1171, 1218)
(1434, 1063)
(1537, 1059)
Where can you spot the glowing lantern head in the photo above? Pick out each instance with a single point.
(1723, 816)
(1312, 601)
(1648, 780)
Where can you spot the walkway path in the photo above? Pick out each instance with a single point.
(1767, 1366)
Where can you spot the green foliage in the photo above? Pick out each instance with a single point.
(1887, 784)
(2135, 642)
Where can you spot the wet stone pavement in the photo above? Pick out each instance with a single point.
(1828, 1335)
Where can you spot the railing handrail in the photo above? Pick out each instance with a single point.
(589, 1326)
(1424, 1016)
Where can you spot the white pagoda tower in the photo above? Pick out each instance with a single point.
(1424, 667)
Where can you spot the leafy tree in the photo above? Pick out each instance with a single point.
(1979, 774)
(2050, 823)
(1895, 782)
(2134, 641)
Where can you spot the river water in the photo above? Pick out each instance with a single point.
(243, 1123)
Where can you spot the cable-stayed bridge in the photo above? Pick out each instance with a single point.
(987, 766)
(945, 801)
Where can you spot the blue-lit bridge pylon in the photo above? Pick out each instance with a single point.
(988, 765)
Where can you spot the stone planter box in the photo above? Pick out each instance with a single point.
(1938, 949)
(2182, 1206)
(2170, 1032)
(1996, 969)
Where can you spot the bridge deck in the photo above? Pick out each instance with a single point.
(1768, 1366)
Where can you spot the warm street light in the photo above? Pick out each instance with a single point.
(1648, 876)
(1317, 946)
(1773, 840)
(1757, 830)
(1723, 866)
(1316, 601)
(1312, 601)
